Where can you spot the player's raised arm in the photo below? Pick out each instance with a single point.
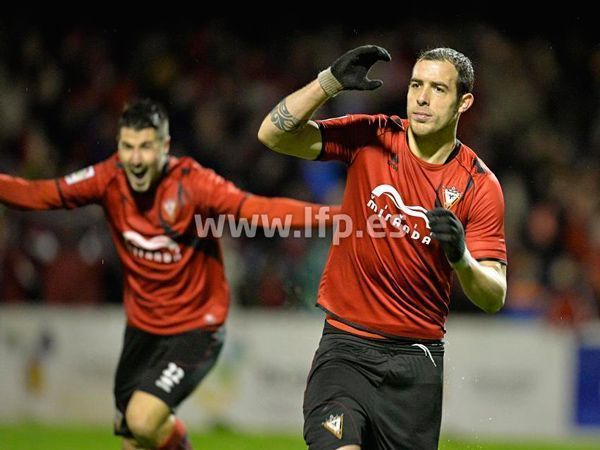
(20, 193)
(288, 129)
(79, 188)
(302, 214)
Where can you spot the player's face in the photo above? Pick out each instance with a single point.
(432, 101)
(143, 155)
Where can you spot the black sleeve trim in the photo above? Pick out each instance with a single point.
(321, 153)
(239, 208)
(60, 193)
(501, 261)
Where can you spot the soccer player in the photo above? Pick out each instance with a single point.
(422, 206)
(176, 297)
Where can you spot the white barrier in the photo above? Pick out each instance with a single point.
(502, 377)
(508, 378)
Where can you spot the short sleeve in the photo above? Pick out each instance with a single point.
(485, 224)
(87, 185)
(344, 136)
(214, 194)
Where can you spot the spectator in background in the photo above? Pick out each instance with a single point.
(64, 87)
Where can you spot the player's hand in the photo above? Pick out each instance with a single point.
(447, 229)
(349, 71)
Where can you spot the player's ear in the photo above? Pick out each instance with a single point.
(465, 102)
(166, 145)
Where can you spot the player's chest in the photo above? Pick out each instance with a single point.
(167, 209)
(390, 184)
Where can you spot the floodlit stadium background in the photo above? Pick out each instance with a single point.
(530, 372)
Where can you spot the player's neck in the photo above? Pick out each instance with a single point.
(433, 149)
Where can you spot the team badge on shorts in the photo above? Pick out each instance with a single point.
(335, 425)
(451, 196)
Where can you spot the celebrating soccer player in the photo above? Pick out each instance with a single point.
(376, 379)
(176, 297)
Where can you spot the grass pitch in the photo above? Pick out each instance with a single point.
(41, 437)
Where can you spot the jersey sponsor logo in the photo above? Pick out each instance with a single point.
(161, 249)
(335, 425)
(80, 175)
(451, 196)
(400, 221)
(169, 377)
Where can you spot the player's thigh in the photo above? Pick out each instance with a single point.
(167, 367)
(146, 413)
(186, 360)
(343, 379)
(333, 416)
(407, 407)
(140, 351)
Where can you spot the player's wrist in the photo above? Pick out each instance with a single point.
(329, 83)
(463, 262)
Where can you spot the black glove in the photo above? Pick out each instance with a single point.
(349, 71)
(448, 230)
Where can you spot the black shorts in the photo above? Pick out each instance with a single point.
(168, 367)
(384, 395)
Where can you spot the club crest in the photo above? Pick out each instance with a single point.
(335, 425)
(170, 208)
(451, 196)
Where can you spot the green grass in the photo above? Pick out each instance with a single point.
(38, 437)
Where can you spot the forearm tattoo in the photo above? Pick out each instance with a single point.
(283, 119)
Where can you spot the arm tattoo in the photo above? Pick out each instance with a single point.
(283, 119)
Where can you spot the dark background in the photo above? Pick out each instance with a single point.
(535, 123)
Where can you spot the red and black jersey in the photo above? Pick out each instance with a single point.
(174, 279)
(398, 284)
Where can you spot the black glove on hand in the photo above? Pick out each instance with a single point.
(450, 233)
(349, 71)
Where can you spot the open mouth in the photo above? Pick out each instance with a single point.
(138, 174)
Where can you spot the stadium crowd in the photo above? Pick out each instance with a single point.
(536, 124)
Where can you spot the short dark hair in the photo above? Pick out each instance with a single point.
(463, 65)
(145, 113)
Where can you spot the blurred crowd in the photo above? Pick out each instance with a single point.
(535, 123)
